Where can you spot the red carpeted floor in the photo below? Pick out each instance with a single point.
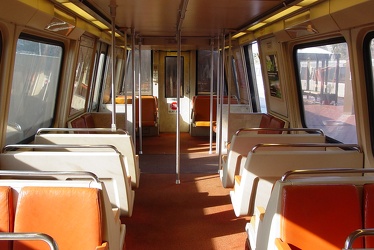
(195, 214)
(165, 143)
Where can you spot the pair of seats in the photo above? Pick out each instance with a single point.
(244, 140)
(121, 141)
(253, 186)
(200, 115)
(107, 163)
(314, 213)
(76, 214)
(93, 123)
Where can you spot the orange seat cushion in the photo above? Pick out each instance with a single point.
(71, 216)
(369, 212)
(6, 214)
(319, 216)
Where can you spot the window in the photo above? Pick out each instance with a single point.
(326, 89)
(82, 75)
(97, 82)
(145, 76)
(256, 83)
(204, 71)
(33, 95)
(369, 71)
(171, 79)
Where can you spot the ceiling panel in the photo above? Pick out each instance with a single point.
(203, 17)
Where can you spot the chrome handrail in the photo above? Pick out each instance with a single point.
(49, 173)
(57, 146)
(325, 145)
(109, 130)
(312, 130)
(326, 171)
(355, 234)
(30, 236)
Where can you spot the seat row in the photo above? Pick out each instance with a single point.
(200, 113)
(75, 213)
(149, 112)
(118, 167)
(315, 212)
(87, 122)
(256, 161)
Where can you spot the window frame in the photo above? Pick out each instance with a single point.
(297, 47)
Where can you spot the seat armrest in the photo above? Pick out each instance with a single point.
(259, 212)
(103, 246)
(116, 214)
(238, 178)
(280, 245)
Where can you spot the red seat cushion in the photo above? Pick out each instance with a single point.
(369, 212)
(320, 216)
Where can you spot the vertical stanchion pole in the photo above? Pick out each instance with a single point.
(221, 100)
(211, 96)
(124, 87)
(113, 7)
(133, 86)
(140, 100)
(218, 63)
(178, 109)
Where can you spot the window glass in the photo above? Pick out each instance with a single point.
(255, 81)
(239, 76)
(82, 75)
(145, 76)
(33, 96)
(326, 90)
(99, 76)
(369, 71)
(204, 71)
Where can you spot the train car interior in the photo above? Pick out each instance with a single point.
(186, 124)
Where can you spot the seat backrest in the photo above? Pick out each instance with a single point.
(6, 214)
(88, 119)
(369, 212)
(201, 108)
(78, 122)
(262, 169)
(242, 144)
(108, 166)
(122, 142)
(149, 111)
(319, 216)
(113, 232)
(265, 122)
(72, 216)
(276, 123)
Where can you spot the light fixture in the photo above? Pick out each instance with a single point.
(283, 13)
(256, 26)
(79, 11)
(238, 35)
(84, 14)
